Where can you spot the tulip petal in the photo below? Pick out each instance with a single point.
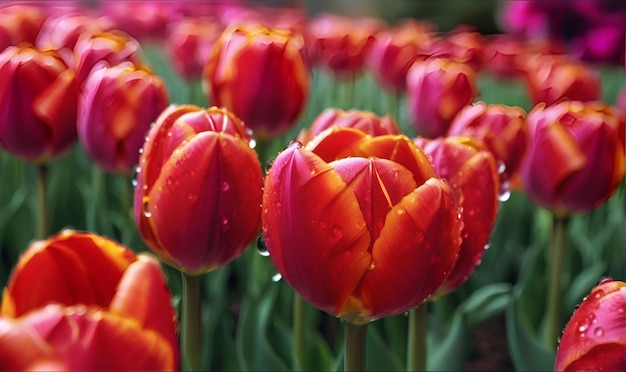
(336, 143)
(419, 244)
(313, 229)
(220, 173)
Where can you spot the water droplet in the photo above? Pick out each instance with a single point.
(395, 173)
(312, 171)
(501, 167)
(598, 332)
(135, 175)
(276, 277)
(140, 150)
(169, 181)
(134, 182)
(224, 221)
(605, 280)
(294, 145)
(372, 265)
(144, 204)
(252, 143)
(505, 192)
(585, 323)
(225, 186)
(169, 134)
(261, 248)
(192, 197)
(400, 212)
(487, 246)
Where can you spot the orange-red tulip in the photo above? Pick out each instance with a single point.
(198, 188)
(471, 170)
(261, 75)
(463, 44)
(502, 128)
(366, 121)
(437, 89)
(594, 338)
(116, 108)
(80, 301)
(20, 24)
(575, 158)
(360, 226)
(554, 78)
(38, 97)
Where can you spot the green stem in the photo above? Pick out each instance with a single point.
(557, 252)
(356, 340)
(299, 332)
(191, 319)
(43, 218)
(416, 346)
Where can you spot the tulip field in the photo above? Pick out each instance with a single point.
(236, 186)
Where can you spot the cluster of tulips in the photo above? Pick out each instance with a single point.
(363, 216)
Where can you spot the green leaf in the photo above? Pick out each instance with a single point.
(379, 356)
(582, 285)
(527, 351)
(486, 302)
(449, 353)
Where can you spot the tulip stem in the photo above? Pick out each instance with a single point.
(191, 320)
(43, 219)
(299, 332)
(557, 252)
(416, 345)
(356, 340)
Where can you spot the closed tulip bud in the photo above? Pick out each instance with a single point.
(463, 44)
(62, 32)
(553, 78)
(189, 42)
(381, 233)
(593, 339)
(79, 301)
(143, 20)
(116, 108)
(575, 158)
(38, 98)
(198, 188)
(20, 24)
(502, 128)
(471, 170)
(260, 75)
(342, 43)
(113, 47)
(437, 89)
(365, 121)
(395, 49)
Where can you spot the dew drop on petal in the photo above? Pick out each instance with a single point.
(225, 186)
(252, 143)
(261, 248)
(605, 280)
(294, 145)
(598, 332)
(501, 167)
(146, 210)
(505, 192)
(192, 197)
(276, 277)
(372, 265)
(487, 246)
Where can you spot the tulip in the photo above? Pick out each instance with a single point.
(20, 24)
(260, 75)
(552, 79)
(62, 32)
(395, 49)
(197, 200)
(380, 233)
(464, 44)
(81, 301)
(593, 338)
(113, 47)
(502, 128)
(38, 98)
(471, 170)
(575, 158)
(343, 43)
(365, 121)
(189, 42)
(437, 89)
(116, 108)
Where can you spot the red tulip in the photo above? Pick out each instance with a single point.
(343, 43)
(463, 44)
(38, 98)
(471, 170)
(395, 49)
(116, 108)
(553, 78)
(502, 128)
(437, 89)
(358, 225)
(20, 24)
(198, 189)
(575, 159)
(365, 121)
(189, 42)
(112, 47)
(80, 301)
(594, 337)
(260, 75)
